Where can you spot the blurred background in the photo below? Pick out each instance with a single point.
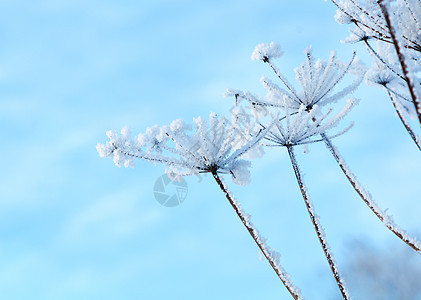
(74, 226)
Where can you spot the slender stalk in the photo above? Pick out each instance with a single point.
(396, 105)
(284, 81)
(260, 241)
(401, 57)
(374, 52)
(365, 196)
(318, 228)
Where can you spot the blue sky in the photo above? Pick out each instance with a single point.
(74, 226)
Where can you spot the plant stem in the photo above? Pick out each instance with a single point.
(365, 196)
(401, 57)
(260, 241)
(318, 228)
(376, 55)
(404, 122)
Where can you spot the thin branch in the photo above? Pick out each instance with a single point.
(147, 157)
(318, 228)
(412, 14)
(341, 76)
(396, 93)
(387, 65)
(284, 81)
(373, 19)
(365, 196)
(268, 254)
(408, 128)
(401, 57)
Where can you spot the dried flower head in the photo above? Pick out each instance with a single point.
(317, 79)
(212, 147)
(266, 51)
(304, 127)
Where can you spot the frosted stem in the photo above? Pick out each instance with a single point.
(284, 80)
(318, 228)
(365, 196)
(396, 105)
(269, 254)
(401, 57)
(387, 65)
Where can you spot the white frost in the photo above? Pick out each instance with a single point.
(212, 146)
(266, 51)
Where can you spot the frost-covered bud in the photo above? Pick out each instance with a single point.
(154, 132)
(179, 126)
(116, 146)
(161, 137)
(112, 135)
(105, 150)
(122, 159)
(201, 124)
(141, 140)
(126, 133)
(266, 51)
(233, 93)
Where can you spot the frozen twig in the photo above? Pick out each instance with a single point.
(366, 197)
(271, 256)
(317, 227)
(405, 123)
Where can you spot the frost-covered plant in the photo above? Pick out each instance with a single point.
(385, 74)
(302, 122)
(310, 76)
(368, 17)
(303, 128)
(265, 51)
(212, 147)
(296, 117)
(396, 26)
(209, 148)
(317, 79)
